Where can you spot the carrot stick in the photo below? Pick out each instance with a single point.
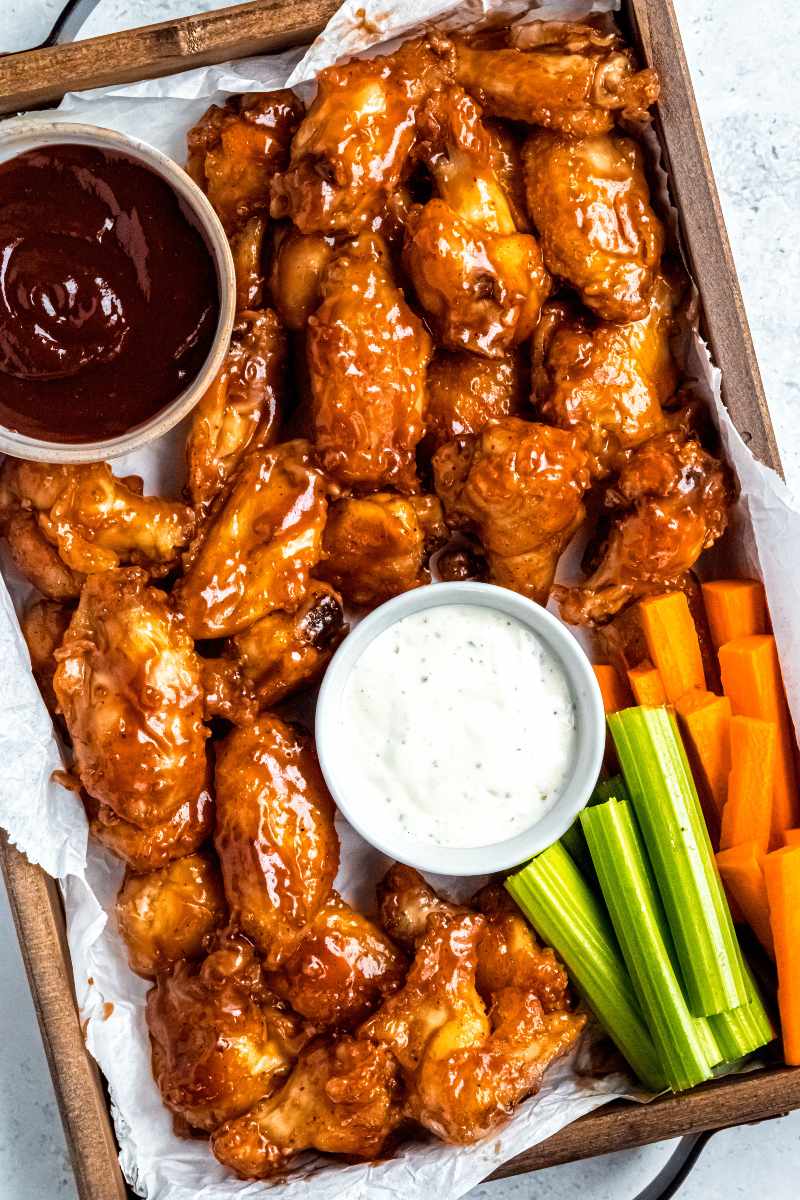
(751, 677)
(747, 816)
(741, 868)
(791, 837)
(646, 685)
(704, 721)
(735, 608)
(672, 643)
(782, 875)
(613, 688)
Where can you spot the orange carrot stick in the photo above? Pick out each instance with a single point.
(782, 876)
(735, 608)
(747, 816)
(704, 721)
(672, 643)
(791, 837)
(741, 869)
(613, 688)
(751, 677)
(646, 685)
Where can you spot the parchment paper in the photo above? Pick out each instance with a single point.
(47, 822)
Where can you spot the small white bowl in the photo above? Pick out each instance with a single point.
(590, 721)
(23, 133)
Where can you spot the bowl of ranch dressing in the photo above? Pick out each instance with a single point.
(460, 728)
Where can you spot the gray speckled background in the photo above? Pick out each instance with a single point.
(744, 61)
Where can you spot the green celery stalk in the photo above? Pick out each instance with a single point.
(558, 902)
(686, 1051)
(574, 843)
(742, 1030)
(609, 789)
(668, 812)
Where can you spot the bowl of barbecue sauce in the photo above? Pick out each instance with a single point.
(116, 292)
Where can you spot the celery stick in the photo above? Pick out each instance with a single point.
(682, 1042)
(742, 1030)
(668, 812)
(557, 901)
(609, 789)
(575, 844)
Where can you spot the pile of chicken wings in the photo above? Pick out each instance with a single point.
(455, 330)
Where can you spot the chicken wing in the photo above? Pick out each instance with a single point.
(94, 520)
(257, 549)
(220, 1040)
(520, 487)
(467, 391)
(242, 408)
(275, 837)
(37, 559)
(43, 627)
(669, 504)
(590, 203)
(367, 357)
(234, 152)
(608, 382)
(343, 1097)
(558, 74)
(298, 266)
(150, 849)
(168, 914)
(342, 968)
(377, 546)
(350, 151)
(128, 685)
(481, 282)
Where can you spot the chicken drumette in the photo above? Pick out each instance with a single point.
(519, 486)
(669, 504)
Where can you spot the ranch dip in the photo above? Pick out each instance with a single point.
(457, 727)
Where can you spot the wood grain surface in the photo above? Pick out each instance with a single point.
(42, 76)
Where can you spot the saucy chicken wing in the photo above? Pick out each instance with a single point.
(242, 408)
(220, 1040)
(93, 520)
(275, 837)
(669, 504)
(128, 685)
(257, 549)
(234, 152)
(557, 74)
(343, 1097)
(189, 827)
(467, 391)
(481, 282)
(367, 357)
(168, 914)
(520, 487)
(376, 547)
(298, 266)
(43, 627)
(37, 559)
(590, 203)
(607, 382)
(342, 968)
(350, 151)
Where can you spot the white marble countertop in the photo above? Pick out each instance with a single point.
(744, 66)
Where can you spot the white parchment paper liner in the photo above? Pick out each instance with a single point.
(47, 822)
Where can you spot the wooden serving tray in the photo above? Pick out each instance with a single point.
(40, 77)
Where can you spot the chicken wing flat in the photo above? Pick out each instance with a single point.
(519, 486)
(608, 382)
(367, 357)
(343, 1097)
(342, 968)
(275, 837)
(481, 282)
(220, 1040)
(43, 627)
(298, 266)
(467, 391)
(376, 547)
(590, 203)
(168, 914)
(257, 549)
(128, 685)
(242, 408)
(669, 504)
(150, 849)
(350, 151)
(560, 75)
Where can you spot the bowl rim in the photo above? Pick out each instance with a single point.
(590, 715)
(24, 133)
